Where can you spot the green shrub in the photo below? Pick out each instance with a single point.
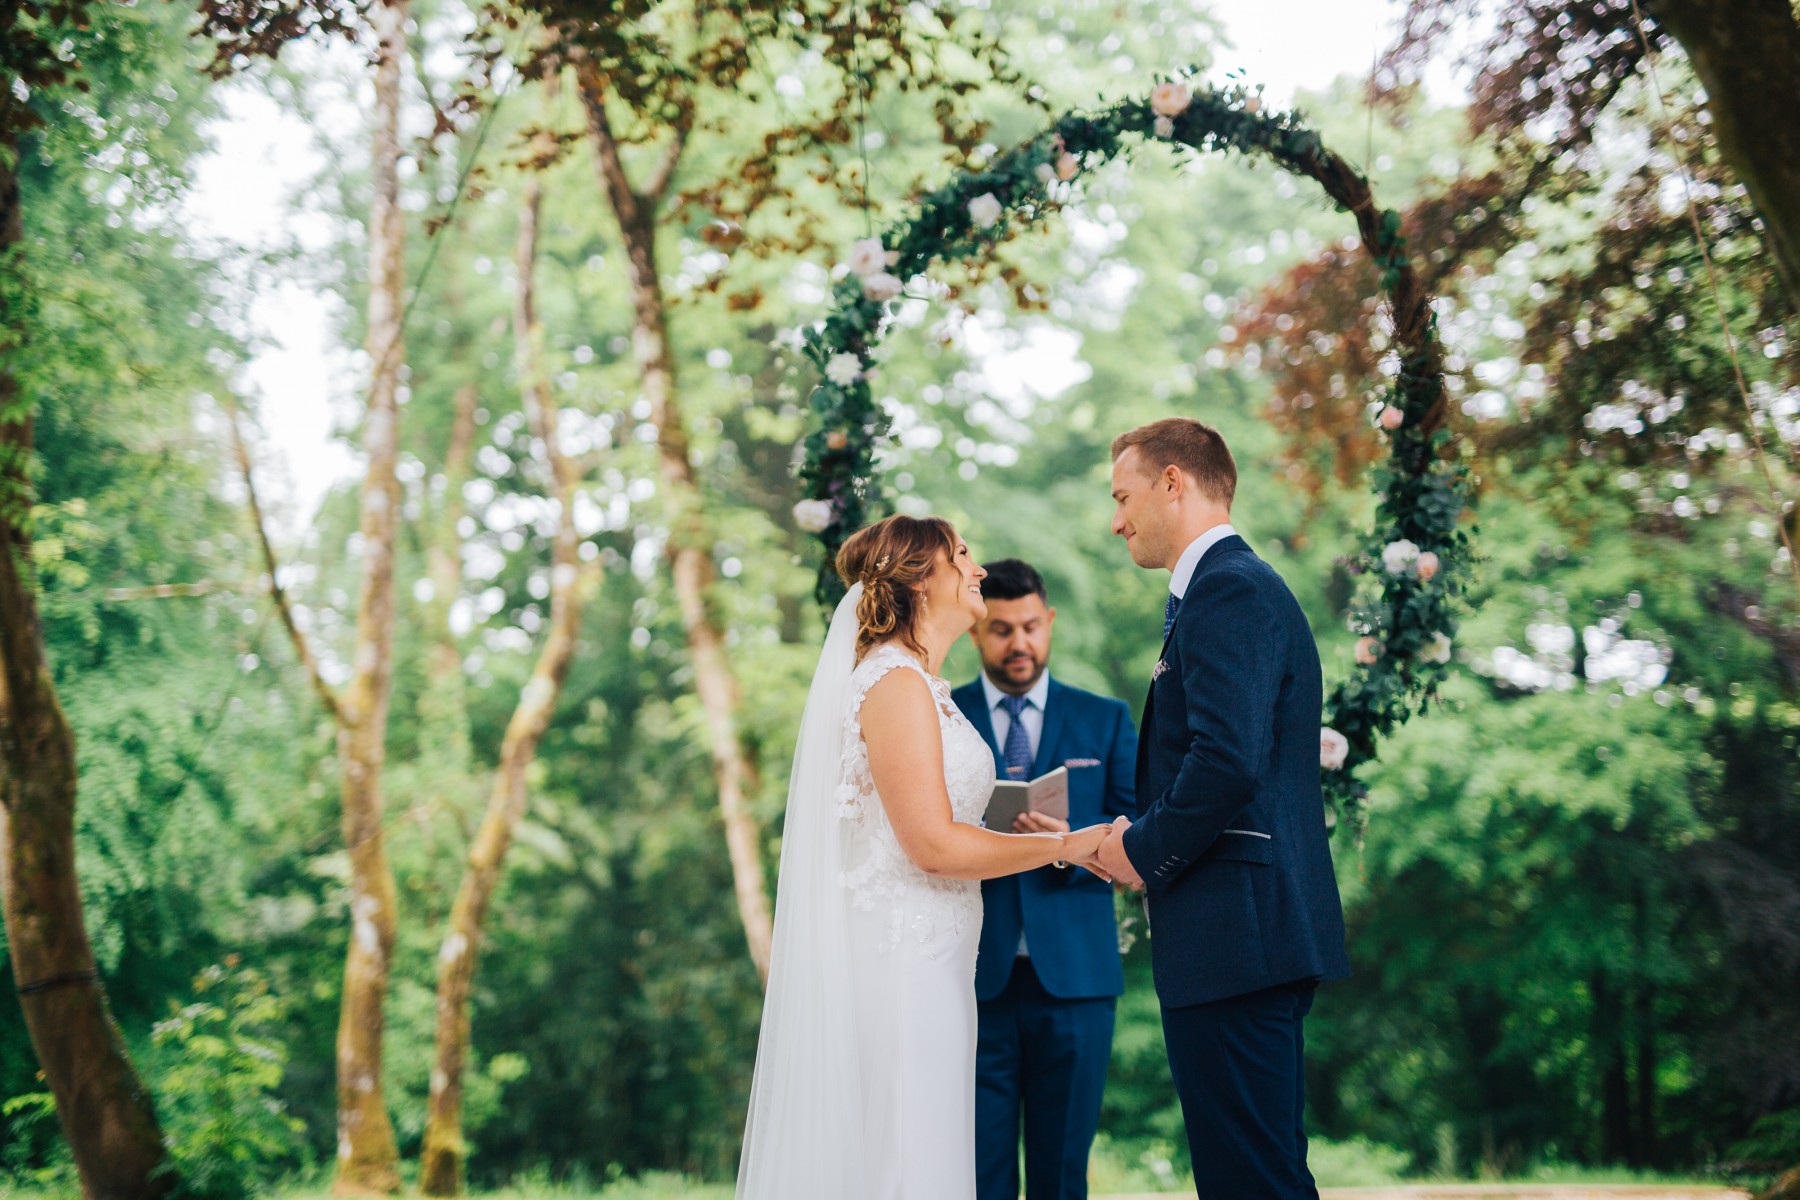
(215, 1079)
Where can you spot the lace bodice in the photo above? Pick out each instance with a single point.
(922, 909)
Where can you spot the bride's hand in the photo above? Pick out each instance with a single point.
(1082, 848)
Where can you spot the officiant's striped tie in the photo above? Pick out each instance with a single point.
(1018, 742)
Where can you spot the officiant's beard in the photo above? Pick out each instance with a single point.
(1005, 679)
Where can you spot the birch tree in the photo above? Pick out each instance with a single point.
(571, 580)
(367, 1157)
(663, 88)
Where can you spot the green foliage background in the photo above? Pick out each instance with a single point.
(1573, 914)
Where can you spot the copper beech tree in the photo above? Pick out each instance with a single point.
(1629, 320)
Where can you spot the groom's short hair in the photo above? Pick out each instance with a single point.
(1192, 446)
(1012, 579)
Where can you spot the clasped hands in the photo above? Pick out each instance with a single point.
(1097, 848)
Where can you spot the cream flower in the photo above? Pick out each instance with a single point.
(1437, 650)
(1046, 174)
(1427, 565)
(813, 515)
(1398, 557)
(984, 210)
(1164, 127)
(868, 258)
(1334, 749)
(1170, 99)
(843, 369)
(1067, 166)
(882, 287)
(1368, 649)
(1391, 417)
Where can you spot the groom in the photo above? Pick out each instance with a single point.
(1229, 843)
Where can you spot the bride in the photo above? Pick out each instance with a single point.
(865, 1069)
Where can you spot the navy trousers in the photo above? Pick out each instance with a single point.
(1239, 1070)
(1047, 1057)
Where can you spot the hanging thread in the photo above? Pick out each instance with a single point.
(1712, 278)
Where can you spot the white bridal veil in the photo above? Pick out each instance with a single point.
(803, 1137)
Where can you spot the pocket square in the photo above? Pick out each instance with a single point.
(1162, 664)
(1074, 763)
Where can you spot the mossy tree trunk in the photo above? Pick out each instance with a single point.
(105, 1112)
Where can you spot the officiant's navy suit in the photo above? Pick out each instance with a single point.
(1230, 840)
(1064, 993)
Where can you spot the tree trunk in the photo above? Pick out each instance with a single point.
(445, 1154)
(1609, 1054)
(367, 1160)
(105, 1112)
(443, 711)
(690, 552)
(1747, 55)
(1787, 1187)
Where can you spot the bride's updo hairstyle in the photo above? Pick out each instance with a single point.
(892, 559)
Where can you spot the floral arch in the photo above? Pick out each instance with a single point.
(1412, 563)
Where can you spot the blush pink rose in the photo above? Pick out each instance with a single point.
(1427, 565)
(1368, 649)
(1170, 99)
(1334, 749)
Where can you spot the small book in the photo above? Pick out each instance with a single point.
(1047, 794)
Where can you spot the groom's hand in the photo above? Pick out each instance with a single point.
(1113, 859)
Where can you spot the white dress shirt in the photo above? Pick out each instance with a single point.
(1032, 717)
(1189, 562)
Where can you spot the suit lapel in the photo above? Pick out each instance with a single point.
(1054, 702)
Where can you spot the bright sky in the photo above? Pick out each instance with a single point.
(244, 198)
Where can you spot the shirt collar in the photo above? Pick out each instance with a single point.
(1189, 562)
(1039, 693)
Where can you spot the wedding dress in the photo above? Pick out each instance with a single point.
(865, 1069)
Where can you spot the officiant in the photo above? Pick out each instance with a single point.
(1048, 975)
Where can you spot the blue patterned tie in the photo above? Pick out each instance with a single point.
(1170, 607)
(1018, 742)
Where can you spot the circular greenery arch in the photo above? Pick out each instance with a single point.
(1412, 563)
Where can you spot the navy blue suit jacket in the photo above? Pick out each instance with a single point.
(1066, 914)
(1230, 836)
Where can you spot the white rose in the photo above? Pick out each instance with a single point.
(1399, 556)
(868, 258)
(1170, 99)
(1046, 174)
(984, 210)
(882, 287)
(1437, 650)
(1165, 127)
(1334, 749)
(813, 515)
(843, 369)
